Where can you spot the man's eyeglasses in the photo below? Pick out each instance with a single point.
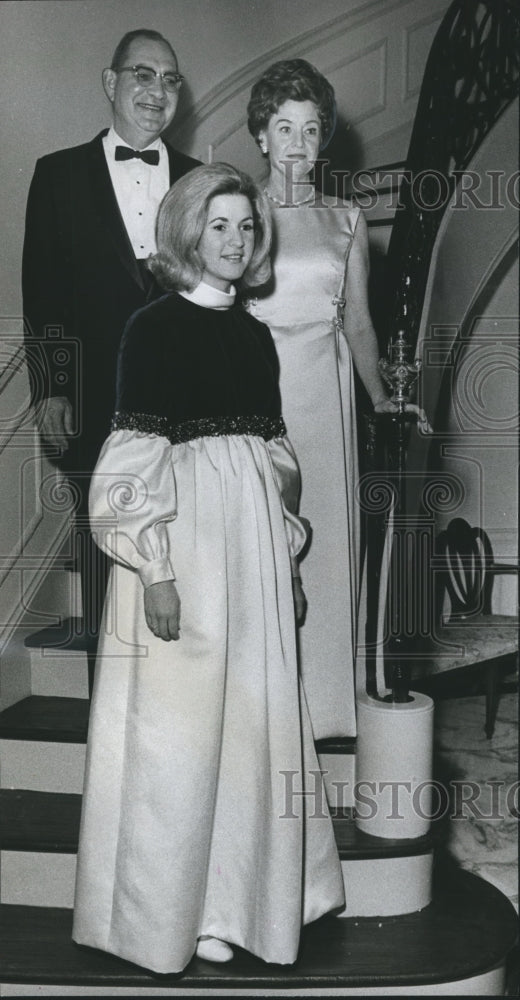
(145, 76)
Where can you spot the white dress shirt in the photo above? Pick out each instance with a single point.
(139, 188)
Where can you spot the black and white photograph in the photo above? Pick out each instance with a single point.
(259, 428)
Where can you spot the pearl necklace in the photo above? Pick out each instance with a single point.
(289, 204)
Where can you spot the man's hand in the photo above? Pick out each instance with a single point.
(162, 610)
(300, 600)
(55, 421)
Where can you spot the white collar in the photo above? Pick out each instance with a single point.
(210, 297)
(112, 139)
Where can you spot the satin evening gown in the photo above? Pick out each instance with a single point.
(310, 257)
(199, 749)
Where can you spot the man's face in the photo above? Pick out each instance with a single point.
(142, 112)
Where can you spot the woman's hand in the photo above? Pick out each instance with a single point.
(162, 610)
(300, 600)
(387, 406)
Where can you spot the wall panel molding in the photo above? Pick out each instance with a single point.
(358, 63)
(302, 45)
(363, 53)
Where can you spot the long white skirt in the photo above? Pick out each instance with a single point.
(193, 819)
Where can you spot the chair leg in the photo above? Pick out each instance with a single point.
(491, 674)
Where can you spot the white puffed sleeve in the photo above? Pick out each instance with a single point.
(132, 497)
(287, 475)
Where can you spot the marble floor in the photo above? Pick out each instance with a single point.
(480, 828)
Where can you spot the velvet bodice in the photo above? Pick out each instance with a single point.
(185, 371)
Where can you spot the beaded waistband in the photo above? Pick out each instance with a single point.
(187, 430)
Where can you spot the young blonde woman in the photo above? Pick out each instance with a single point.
(195, 835)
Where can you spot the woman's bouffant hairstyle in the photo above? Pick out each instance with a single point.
(291, 80)
(180, 223)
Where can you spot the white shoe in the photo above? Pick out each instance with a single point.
(213, 949)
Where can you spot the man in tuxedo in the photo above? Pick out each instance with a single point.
(89, 228)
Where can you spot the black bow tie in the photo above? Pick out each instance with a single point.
(150, 156)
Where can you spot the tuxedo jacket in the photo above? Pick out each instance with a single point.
(81, 283)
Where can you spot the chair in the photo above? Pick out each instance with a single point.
(470, 635)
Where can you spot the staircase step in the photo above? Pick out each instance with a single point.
(337, 759)
(49, 821)
(42, 744)
(42, 766)
(354, 843)
(63, 720)
(37, 829)
(60, 591)
(59, 673)
(44, 718)
(461, 941)
(337, 744)
(69, 635)
(39, 821)
(373, 887)
(32, 879)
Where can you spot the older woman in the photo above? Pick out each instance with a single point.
(320, 260)
(192, 836)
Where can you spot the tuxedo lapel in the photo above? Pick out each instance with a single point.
(174, 161)
(105, 203)
(179, 163)
(171, 162)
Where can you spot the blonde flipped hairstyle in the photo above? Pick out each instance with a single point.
(183, 212)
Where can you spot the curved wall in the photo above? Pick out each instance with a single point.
(468, 343)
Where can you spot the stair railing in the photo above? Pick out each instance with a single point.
(471, 77)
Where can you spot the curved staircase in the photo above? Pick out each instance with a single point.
(414, 925)
(457, 943)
